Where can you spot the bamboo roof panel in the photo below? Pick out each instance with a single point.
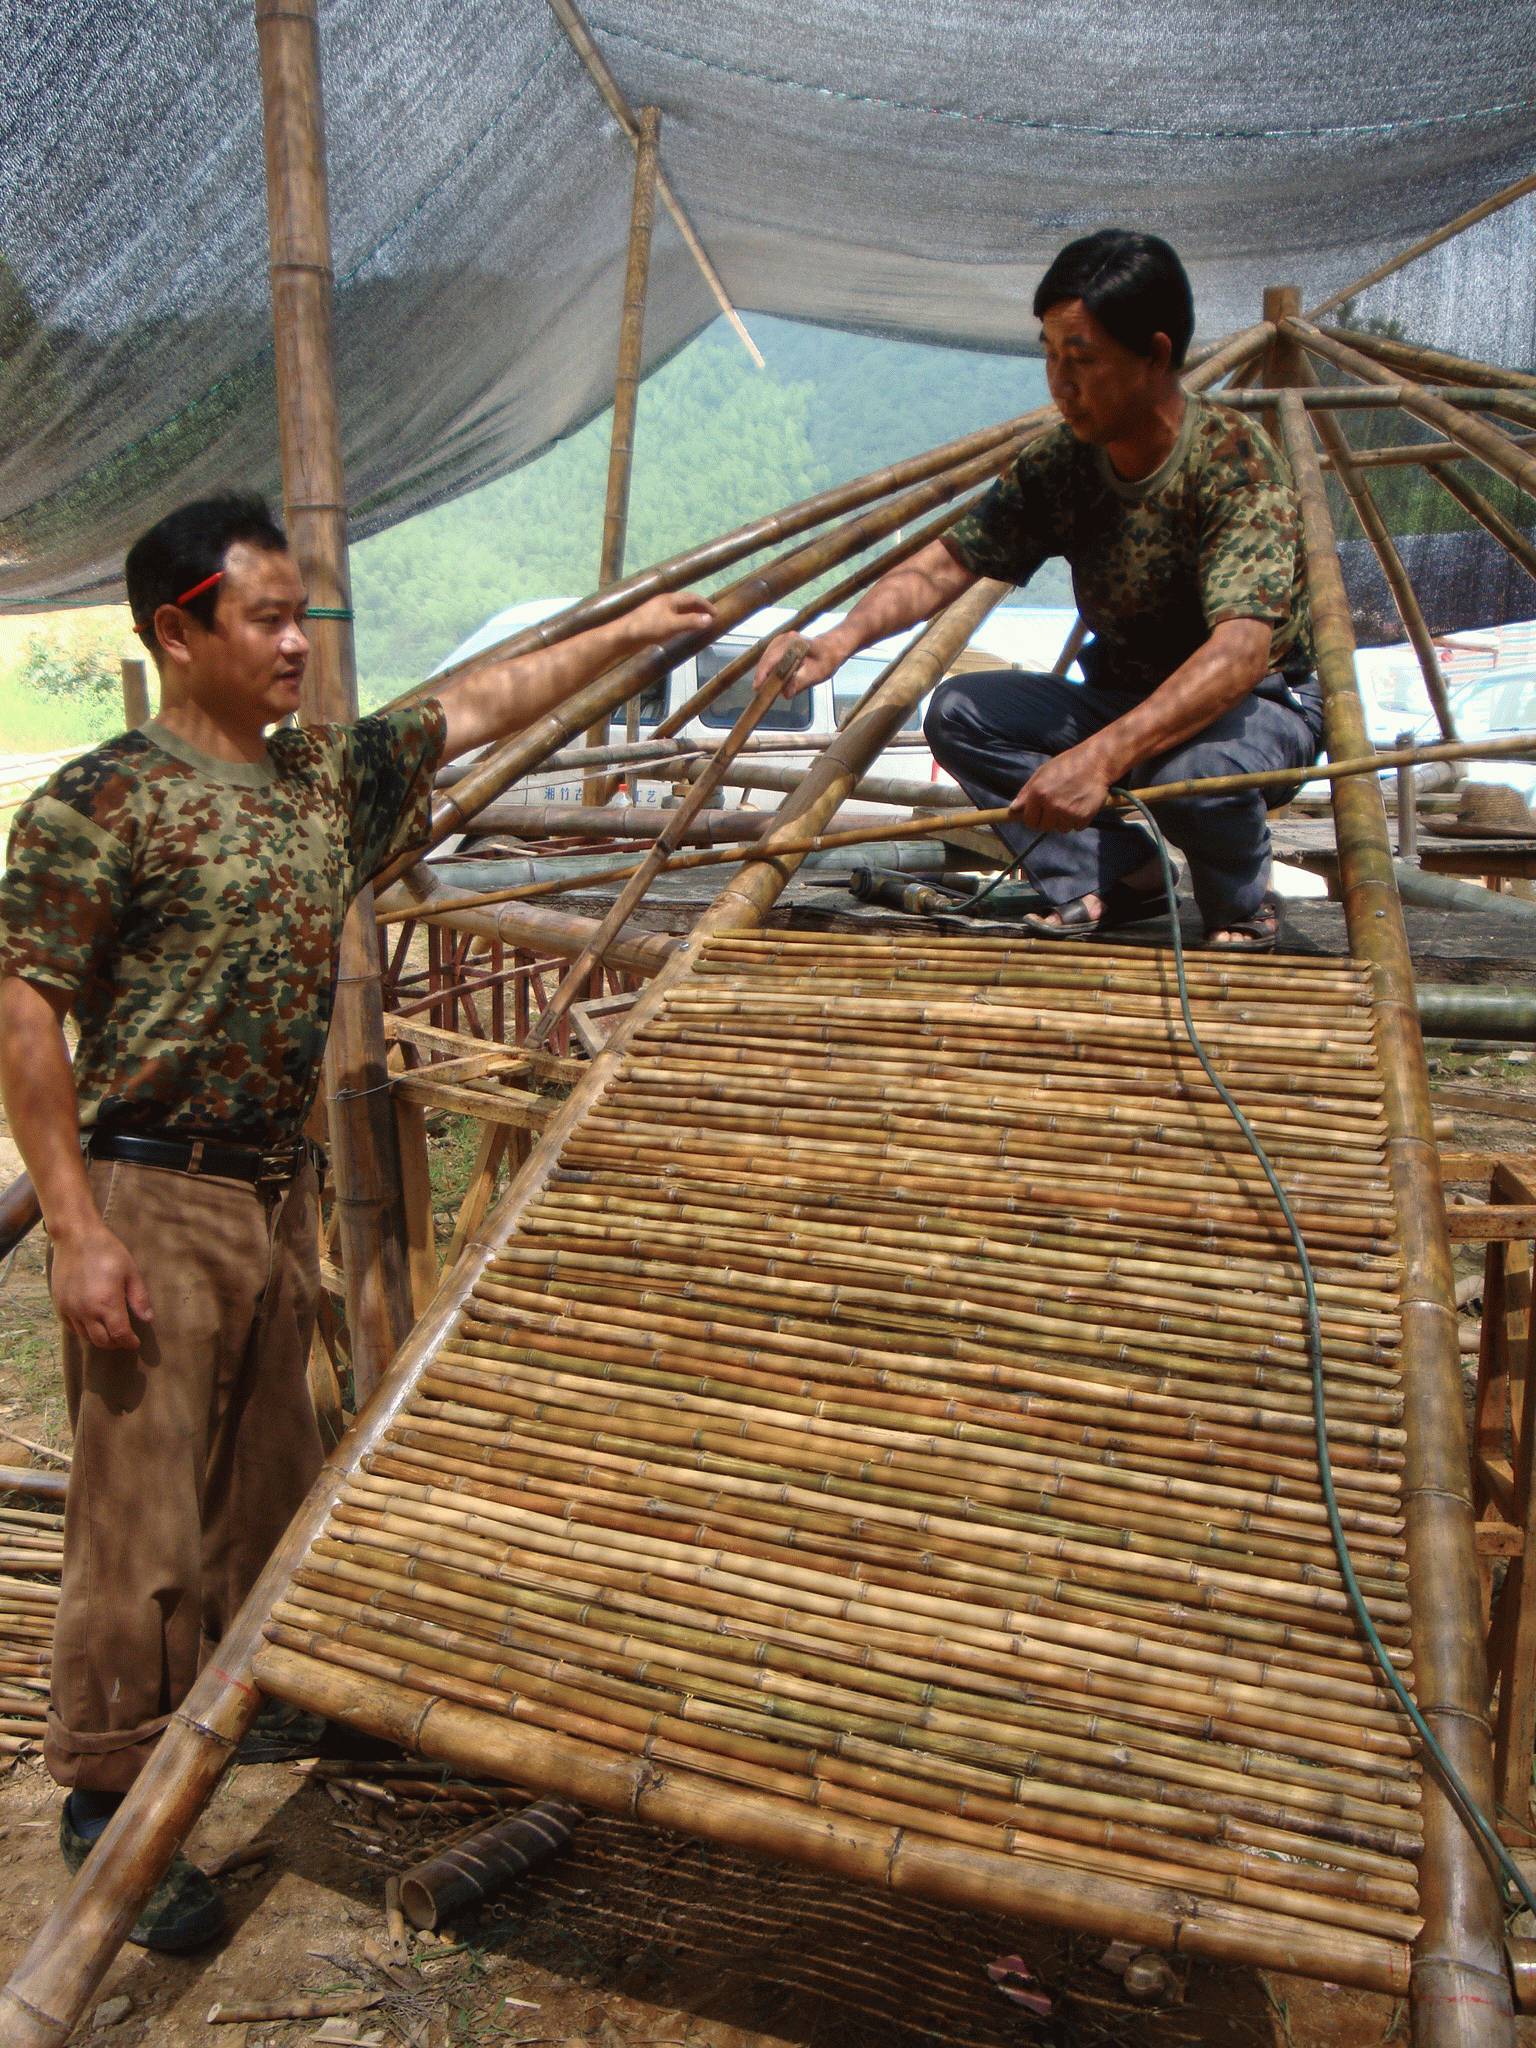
(885, 1441)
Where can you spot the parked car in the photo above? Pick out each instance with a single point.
(1018, 636)
(1493, 706)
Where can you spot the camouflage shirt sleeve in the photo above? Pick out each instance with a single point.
(1012, 531)
(388, 762)
(66, 886)
(1250, 530)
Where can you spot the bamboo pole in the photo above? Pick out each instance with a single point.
(1425, 243)
(775, 528)
(723, 553)
(576, 978)
(503, 766)
(135, 692)
(1487, 442)
(796, 519)
(1520, 746)
(1431, 365)
(1424, 454)
(621, 444)
(20, 1211)
(1488, 516)
(569, 18)
(422, 894)
(364, 1152)
(1461, 1990)
(1374, 527)
(1518, 403)
(855, 1846)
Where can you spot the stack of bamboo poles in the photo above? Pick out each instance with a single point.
(886, 1441)
(31, 1558)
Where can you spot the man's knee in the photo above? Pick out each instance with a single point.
(942, 716)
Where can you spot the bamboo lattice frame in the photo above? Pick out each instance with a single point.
(809, 1461)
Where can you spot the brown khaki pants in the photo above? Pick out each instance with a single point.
(190, 1455)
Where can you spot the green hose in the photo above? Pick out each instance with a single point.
(1515, 1890)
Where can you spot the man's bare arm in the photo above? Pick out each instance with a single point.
(96, 1285)
(915, 590)
(1070, 791)
(502, 699)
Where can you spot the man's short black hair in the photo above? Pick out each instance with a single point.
(1133, 285)
(187, 547)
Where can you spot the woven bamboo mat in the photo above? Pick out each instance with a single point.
(886, 1442)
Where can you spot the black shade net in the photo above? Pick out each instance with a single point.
(897, 168)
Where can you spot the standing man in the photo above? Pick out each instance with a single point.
(1182, 529)
(181, 890)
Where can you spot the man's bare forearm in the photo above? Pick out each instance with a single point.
(41, 1106)
(903, 596)
(509, 695)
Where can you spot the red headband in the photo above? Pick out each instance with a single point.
(197, 589)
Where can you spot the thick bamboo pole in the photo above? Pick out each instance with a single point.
(714, 555)
(626, 391)
(569, 18)
(135, 691)
(861, 1842)
(1424, 454)
(364, 1149)
(1488, 516)
(1461, 1989)
(1518, 404)
(1374, 527)
(1477, 436)
(621, 441)
(1425, 243)
(1432, 365)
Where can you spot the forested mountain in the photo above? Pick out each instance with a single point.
(717, 443)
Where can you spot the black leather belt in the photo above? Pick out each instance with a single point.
(274, 1169)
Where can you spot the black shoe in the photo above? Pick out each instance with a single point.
(182, 1912)
(280, 1733)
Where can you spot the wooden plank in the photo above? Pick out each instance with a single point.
(416, 1189)
(1490, 1222)
(1462, 1167)
(1510, 861)
(497, 1106)
(1485, 1102)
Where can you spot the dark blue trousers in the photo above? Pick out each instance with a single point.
(992, 731)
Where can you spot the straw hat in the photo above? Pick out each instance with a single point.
(1488, 810)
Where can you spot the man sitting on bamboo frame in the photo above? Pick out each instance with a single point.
(1182, 529)
(181, 890)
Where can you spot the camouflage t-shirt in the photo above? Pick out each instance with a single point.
(1214, 533)
(192, 907)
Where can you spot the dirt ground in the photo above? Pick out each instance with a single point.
(633, 1937)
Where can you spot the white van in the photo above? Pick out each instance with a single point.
(1018, 637)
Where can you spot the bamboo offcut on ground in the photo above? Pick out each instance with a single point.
(885, 1439)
